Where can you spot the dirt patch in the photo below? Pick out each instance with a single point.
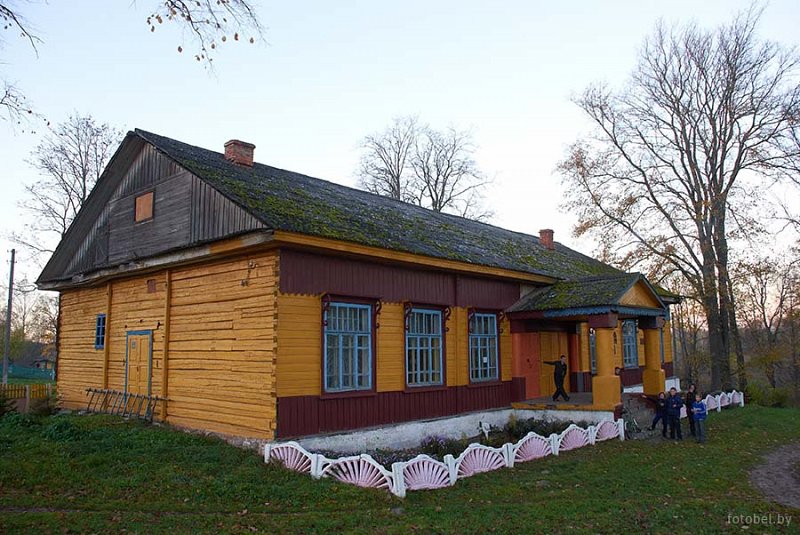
(777, 476)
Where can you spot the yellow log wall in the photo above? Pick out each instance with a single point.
(221, 342)
(80, 365)
(222, 346)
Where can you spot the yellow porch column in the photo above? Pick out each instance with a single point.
(653, 376)
(605, 385)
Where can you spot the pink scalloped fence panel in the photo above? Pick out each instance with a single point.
(711, 402)
(737, 397)
(534, 447)
(292, 458)
(606, 430)
(426, 474)
(479, 460)
(359, 472)
(573, 438)
(724, 400)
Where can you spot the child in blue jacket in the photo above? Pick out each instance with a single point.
(700, 412)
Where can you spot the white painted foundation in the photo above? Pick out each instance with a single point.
(410, 434)
(669, 383)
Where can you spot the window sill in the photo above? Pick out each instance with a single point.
(348, 394)
(432, 388)
(481, 384)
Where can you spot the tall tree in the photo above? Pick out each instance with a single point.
(677, 158)
(70, 159)
(415, 163)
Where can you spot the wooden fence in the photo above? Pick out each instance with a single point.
(23, 394)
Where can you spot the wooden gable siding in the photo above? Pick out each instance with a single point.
(220, 351)
(314, 274)
(186, 212)
(640, 295)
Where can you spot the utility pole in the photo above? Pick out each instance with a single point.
(7, 350)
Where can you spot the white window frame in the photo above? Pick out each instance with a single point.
(349, 336)
(484, 350)
(424, 348)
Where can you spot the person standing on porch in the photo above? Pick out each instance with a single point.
(674, 404)
(689, 402)
(559, 374)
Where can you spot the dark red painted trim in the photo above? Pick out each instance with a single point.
(631, 376)
(587, 382)
(537, 326)
(669, 369)
(305, 272)
(308, 415)
(518, 388)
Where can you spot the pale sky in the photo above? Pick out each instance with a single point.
(331, 72)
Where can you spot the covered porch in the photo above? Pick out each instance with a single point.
(612, 329)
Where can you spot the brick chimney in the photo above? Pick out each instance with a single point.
(239, 152)
(546, 238)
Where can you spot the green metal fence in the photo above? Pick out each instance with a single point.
(31, 373)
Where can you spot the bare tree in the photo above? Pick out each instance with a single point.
(446, 176)
(70, 159)
(765, 290)
(209, 23)
(418, 164)
(386, 158)
(678, 157)
(206, 24)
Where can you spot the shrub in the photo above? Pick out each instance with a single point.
(16, 420)
(62, 430)
(7, 405)
(437, 447)
(767, 396)
(44, 406)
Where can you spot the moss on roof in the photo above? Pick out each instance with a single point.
(288, 201)
(581, 293)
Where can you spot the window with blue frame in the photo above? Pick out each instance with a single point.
(630, 344)
(424, 347)
(593, 351)
(100, 332)
(661, 336)
(483, 364)
(348, 347)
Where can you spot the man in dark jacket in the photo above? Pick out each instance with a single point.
(674, 404)
(559, 374)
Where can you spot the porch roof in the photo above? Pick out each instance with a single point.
(591, 295)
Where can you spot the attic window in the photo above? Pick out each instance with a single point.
(144, 208)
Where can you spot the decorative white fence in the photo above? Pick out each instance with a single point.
(424, 473)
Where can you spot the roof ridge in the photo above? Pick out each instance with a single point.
(145, 134)
(295, 202)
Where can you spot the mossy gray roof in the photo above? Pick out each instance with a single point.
(603, 291)
(293, 202)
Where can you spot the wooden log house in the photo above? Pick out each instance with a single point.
(264, 303)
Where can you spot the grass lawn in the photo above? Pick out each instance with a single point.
(100, 474)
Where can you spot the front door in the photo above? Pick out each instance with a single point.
(552, 345)
(137, 369)
(525, 349)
